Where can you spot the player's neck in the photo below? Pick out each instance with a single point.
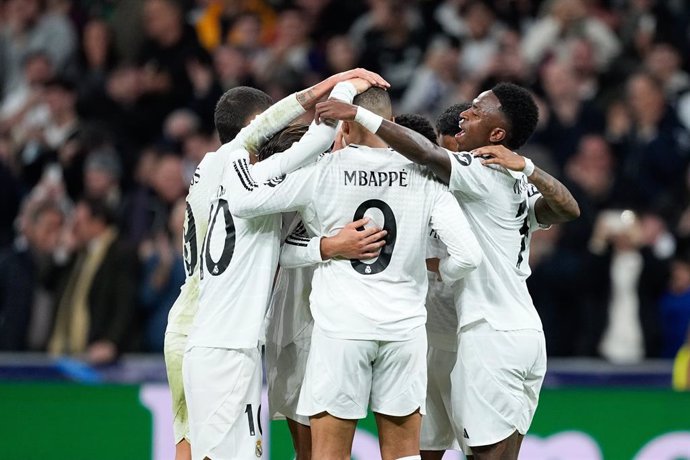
(370, 140)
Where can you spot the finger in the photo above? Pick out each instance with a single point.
(358, 223)
(491, 161)
(368, 255)
(368, 232)
(376, 237)
(374, 246)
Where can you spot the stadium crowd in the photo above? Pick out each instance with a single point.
(107, 107)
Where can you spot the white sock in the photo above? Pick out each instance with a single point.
(411, 457)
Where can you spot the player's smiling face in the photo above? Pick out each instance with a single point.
(481, 124)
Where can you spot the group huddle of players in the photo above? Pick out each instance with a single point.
(401, 286)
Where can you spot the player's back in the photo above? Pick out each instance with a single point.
(380, 299)
(237, 265)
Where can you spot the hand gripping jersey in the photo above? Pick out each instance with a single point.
(500, 208)
(380, 299)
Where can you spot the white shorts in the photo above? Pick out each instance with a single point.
(496, 382)
(437, 425)
(173, 351)
(285, 368)
(344, 377)
(223, 388)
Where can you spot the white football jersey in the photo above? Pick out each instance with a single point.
(240, 256)
(500, 209)
(380, 299)
(203, 186)
(442, 319)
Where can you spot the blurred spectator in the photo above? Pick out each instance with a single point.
(664, 63)
(290, 54)
(232, 67)
(139, 204)
(97, 57)
(97, 298)
(102, 172)
(28, 28)
(340, 55)
(558, 302)
(566, 20)
(506, 63)
(652, 149)
(625, 280)
(178, 126)
(163, 274)
(219, 21)
(481, 41)
(25, 107)
(391, 40)
(569, 115)
(170, 46)
(27, 277)
(54, 139)
(433, 83)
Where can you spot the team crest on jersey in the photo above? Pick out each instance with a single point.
(275, 181)
(258, 450)
(464, 159)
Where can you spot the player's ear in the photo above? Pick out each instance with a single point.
(497, 135)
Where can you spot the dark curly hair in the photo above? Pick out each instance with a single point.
(417, 123)
(520, 111)
(234, 109)
(447, 122)
(282, 140)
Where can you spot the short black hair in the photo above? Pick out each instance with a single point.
(234, 109)
(447, 122)
(520, 111)
(417, 123)
(281, 141)
(376, 100)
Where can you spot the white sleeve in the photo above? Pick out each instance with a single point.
(315, 141)
(464, 254)
(290, 193)
(266, 124)
(533, 196)
(299, 250)
(469, 176)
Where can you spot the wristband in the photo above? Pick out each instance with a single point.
(529, 167)
(343, 91)
(369, 120)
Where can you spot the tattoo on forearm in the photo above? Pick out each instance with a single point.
(557, 204)
(306, 97)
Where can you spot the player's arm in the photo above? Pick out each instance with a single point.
(464, 253)
(407, 142)
(282, 113)
(300, 250)
(556, 204)
(246, 199)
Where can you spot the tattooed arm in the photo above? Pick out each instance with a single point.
(556, 205)
(310, 96)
